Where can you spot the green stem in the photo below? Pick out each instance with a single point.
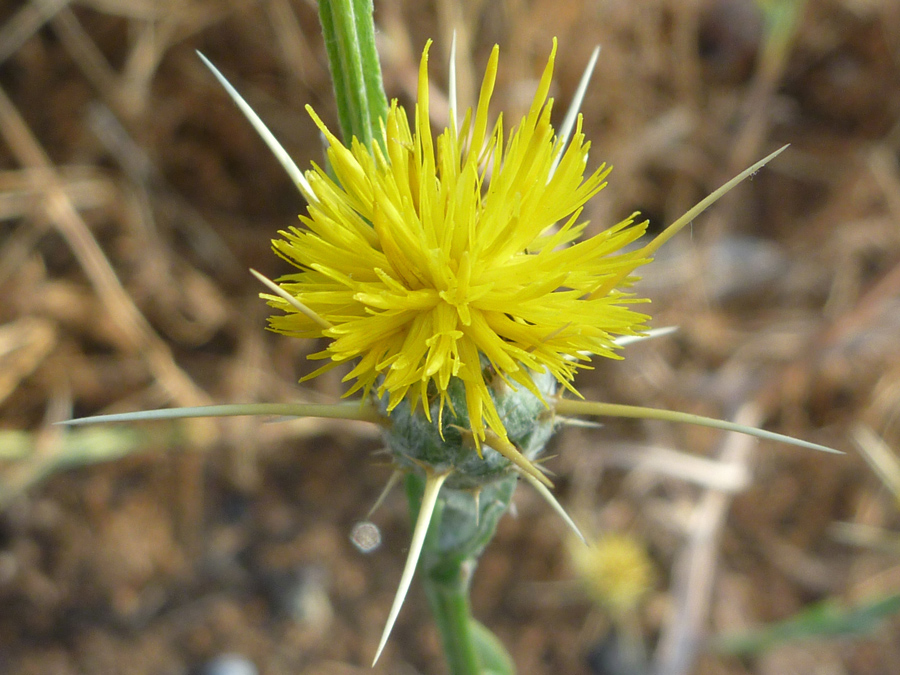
(446, 570)
(349, 31)
(470, 648)
(448, 595)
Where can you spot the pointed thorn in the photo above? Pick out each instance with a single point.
(664, 236)
(392, 481)
(343, 411)
(477, 496)
(624, 340)
(541, 465)
(468, 438)
(555, 505)
(576, 422)
(514, 455)
(574, 108)
(433, 484)
(451, 83)
(565, 406)
(290, 299)
(268, 137)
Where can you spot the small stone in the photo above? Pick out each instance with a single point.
(230, 664)
(366, 536)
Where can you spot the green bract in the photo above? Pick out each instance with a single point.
(443, 444)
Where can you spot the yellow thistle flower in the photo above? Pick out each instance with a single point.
(616, 571)
(454, 273)
(458, 257)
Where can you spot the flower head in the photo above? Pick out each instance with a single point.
(616, 570)
(426, 259)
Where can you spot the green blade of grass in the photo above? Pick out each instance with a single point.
(821, 621)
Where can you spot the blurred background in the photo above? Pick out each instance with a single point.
(134, 197)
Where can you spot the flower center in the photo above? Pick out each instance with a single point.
(457, 288)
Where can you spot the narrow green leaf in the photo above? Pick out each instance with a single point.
(824, 620)
(495, 660)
